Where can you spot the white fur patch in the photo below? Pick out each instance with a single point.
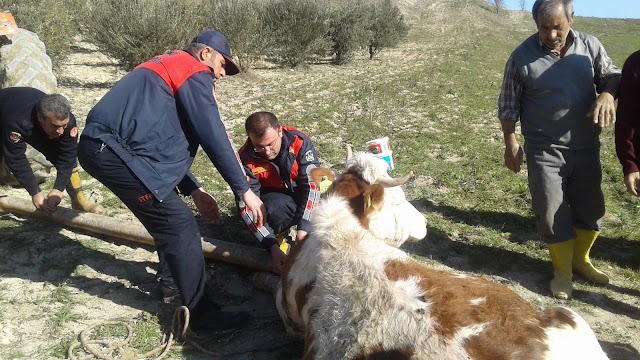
(478, 301)
(568, 343)
(409, 295)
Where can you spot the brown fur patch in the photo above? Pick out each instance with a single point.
(379, 353)
(513, 329)
(363, 198)
(557, 317)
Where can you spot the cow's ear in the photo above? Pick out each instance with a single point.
(318, 173)
(373, 198)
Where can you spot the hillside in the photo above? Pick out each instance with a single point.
(435, 96)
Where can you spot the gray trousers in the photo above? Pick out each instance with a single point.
(565, 191)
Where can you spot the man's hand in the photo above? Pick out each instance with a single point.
(513, 157)
(207, 205)
(255, 205)
(632, 181)
(38, 201)
(53, 200)
(300, 236)
(277, 258)
(603, 110)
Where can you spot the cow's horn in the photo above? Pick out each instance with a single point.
(394, 182)
(349, 152)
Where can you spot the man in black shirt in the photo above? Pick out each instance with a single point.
(29, 116)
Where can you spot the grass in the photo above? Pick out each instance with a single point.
(60, 317)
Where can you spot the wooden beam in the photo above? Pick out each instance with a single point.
(251, 257)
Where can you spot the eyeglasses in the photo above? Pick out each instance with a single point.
(270, 147)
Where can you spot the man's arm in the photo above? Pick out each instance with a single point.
(607, 80)
(188, 184)
(308, 191)
(513, 154)
(195, 99)
(627, 135)
(509, 114)
(17, 162)
(66, 154)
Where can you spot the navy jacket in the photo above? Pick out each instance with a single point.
(155, 118)
(19, 126)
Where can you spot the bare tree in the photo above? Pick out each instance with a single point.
(498, 4)
(523, 5)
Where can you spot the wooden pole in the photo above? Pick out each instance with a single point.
(253, 258)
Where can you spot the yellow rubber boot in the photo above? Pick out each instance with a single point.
(581, 262)
(78, 200)
(561, 257)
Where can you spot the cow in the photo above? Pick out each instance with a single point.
(353, 294)
(395, 220)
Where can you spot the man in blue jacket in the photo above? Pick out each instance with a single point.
(140, 140)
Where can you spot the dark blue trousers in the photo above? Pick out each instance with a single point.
(281, 209)
(170, 222)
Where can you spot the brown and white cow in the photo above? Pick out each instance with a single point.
(354, 296)
(395, 221)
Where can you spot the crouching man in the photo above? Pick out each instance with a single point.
(29, 116)
(277, 161)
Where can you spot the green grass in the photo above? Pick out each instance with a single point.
(60, 317)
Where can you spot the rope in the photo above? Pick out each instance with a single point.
(109, 350)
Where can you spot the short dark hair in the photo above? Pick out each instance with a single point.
(54, 104)
(259, 122)
(547, 8)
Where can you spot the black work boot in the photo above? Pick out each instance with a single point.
(170, 292)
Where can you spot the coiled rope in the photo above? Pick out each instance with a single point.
(108, 350)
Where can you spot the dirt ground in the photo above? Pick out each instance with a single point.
(106, 279)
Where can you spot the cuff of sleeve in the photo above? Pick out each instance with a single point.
(187, 190)
(33, 191)
(629, 167)
(268, 242)
(304, 225)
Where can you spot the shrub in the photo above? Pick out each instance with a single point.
(242, 22)
(298, 30)
(51, 20)
(136, 30)
(348, 31)
(387, 27)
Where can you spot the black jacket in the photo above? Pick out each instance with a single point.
(19, 126)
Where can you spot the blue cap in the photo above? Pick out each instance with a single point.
(215, 40)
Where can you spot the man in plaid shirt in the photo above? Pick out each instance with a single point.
(550, 84)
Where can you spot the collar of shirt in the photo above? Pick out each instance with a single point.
(570, 38)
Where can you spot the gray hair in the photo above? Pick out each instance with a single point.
(547, 8)
(196, 46)
(54, 104)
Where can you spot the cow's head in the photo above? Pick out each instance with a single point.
(376, 199)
